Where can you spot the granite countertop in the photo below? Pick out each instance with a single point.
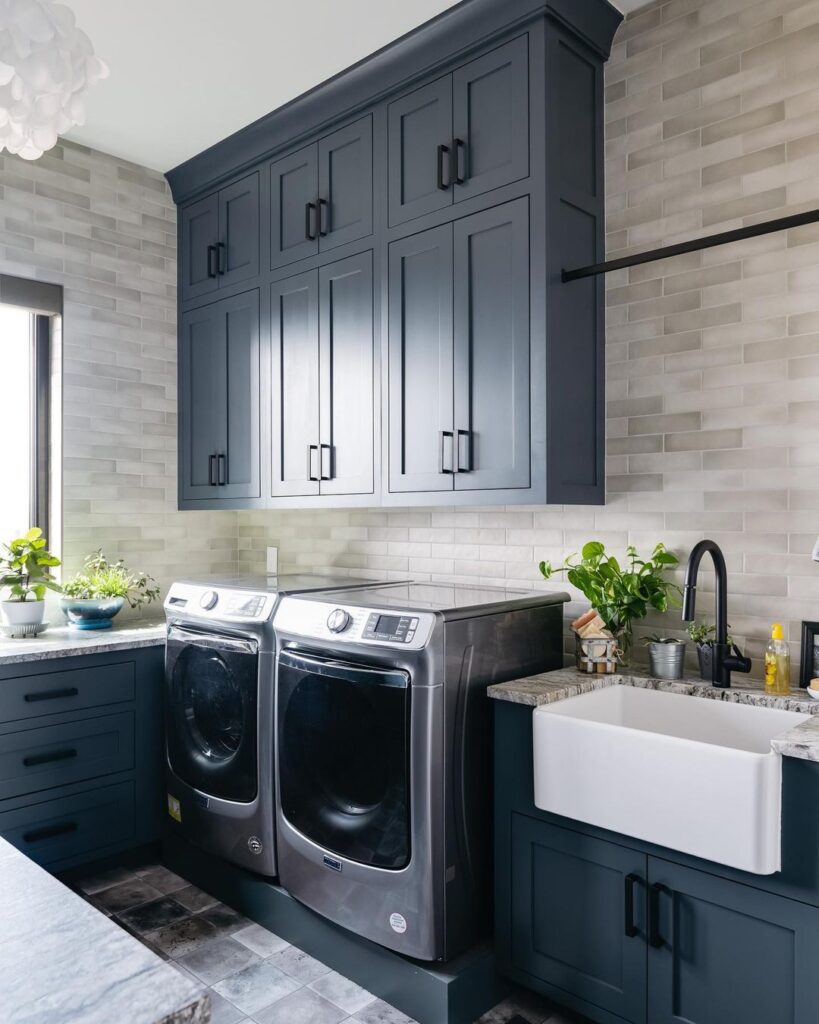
(63, 962)
(63, 642)
(549, 687)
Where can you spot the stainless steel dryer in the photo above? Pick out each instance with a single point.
(219, 676)
(384, 753)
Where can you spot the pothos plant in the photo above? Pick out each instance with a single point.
(621, 594)
(25, 567)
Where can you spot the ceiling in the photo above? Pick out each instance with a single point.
(183, 76)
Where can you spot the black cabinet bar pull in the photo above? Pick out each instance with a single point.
(444, 434)
(221, 469)
(466, 467)
(329, 450)
(458, 169)
(68, 691)
(323, 222)
(310, 227)
(442, 152)
(212, 470)
(49, 832)
(310, 449)
(631, 881)
(655, 940)
(55, 755)
(221, 253)
(212, 269)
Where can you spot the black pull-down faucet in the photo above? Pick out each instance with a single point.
(723, 662)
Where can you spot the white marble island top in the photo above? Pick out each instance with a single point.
(64, 641)
(550, 687)
(63, 962)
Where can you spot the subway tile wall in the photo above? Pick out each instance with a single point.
(712, 113)
(105, 230)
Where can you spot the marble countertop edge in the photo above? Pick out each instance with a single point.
(802, 741)
(65, 642)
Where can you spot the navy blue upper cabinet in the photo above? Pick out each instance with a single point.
(322, 196)
(219, 400)
(461, 135)
(219, 239)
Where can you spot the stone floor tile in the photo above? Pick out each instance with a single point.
(194, 899)
(256, 987)
(225, 920)
(162, 878)
(217, 959)
(379, 1012)
(147, 917)
(105, 879)
(222, 1011)
(125, 895)
(297, 963)
(301, 1007)
(341, 991)
(261, 941)
(182, 937)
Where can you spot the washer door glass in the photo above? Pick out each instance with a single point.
(343, 743)
(211, 713)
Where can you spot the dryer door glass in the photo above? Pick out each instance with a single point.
(343, 742)
(210, 712)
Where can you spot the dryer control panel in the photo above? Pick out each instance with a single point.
(381, 627)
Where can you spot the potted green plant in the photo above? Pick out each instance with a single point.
(95, 595)
(25, 573)
(704, 637)
(666, 656)
(621, 594)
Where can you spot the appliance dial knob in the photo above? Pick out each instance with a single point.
(338, 620)
(208, 600)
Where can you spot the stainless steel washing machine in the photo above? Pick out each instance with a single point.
(383, 756)
(219, 678)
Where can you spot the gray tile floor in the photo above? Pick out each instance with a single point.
(252, 975)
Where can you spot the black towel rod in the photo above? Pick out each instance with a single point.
(797, 220)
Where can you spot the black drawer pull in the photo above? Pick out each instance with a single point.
(655, 940)
(631, 928)
(55, 755)
(221, 254)
(444, 437)
(221, 469)
(442, 152)
(69, 691)
(212, 470)
(323, 222)
(37, 835)
(458, 170)
(213, 270)
(310, 232)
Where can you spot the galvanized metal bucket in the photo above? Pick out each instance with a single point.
(666, 661)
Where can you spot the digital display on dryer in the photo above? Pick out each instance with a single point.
(389, 625)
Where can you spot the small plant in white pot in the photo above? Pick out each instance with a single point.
(25, 576)
(95, 595)
(666, 656)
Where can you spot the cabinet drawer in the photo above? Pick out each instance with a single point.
(56, 755)
(47, 693)
(57, 829)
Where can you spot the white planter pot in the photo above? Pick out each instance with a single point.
(23, 613)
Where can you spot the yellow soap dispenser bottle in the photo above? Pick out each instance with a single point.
(777, 663)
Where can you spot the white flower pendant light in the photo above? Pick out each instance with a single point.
(46, 64)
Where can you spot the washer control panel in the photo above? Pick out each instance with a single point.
(219, 603)
(321, 620)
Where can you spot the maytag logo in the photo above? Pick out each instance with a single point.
(200, 800)
(332, 863)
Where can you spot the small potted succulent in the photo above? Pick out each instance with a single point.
(704, 637)
(95, 595)
(25, 574)
(666, 656)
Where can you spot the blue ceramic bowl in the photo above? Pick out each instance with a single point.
(91, 614)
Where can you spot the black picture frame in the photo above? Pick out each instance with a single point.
(809, 632)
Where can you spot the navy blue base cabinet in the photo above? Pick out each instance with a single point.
(620, 930)
(81, 755)
(463, 164)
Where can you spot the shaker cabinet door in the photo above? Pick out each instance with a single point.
(294, 207)
(239, 468)
(728, 952)
(198, 234)
(492, 349)
(420, 138)
(295, 456)
(578, 912)
(490, 120)
(346, 376)
(421, 441)
(202, 405)
(345, 193)
(238, 245)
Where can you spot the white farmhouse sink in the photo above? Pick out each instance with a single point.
(688, 773)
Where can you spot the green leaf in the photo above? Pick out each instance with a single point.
(594, 549)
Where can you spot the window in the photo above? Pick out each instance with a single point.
(24, 420)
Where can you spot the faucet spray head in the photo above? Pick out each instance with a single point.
(689, 602)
